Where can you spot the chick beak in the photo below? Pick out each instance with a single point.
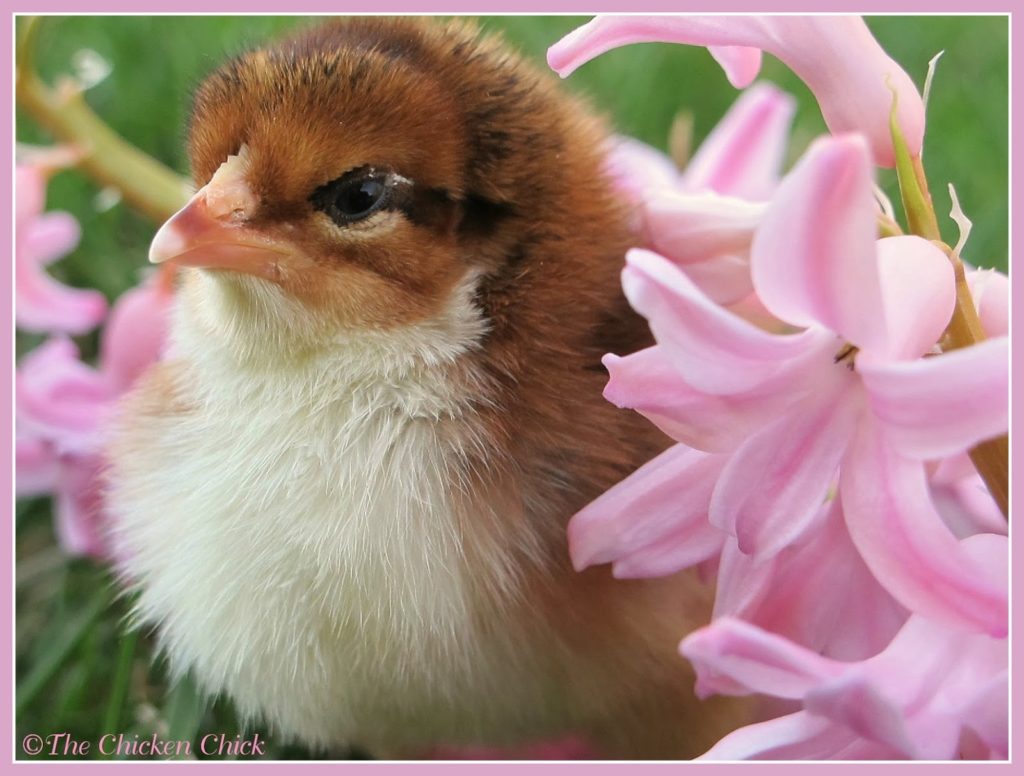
(211, 231)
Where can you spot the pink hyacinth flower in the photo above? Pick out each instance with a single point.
(790, 410)
(60, 404)
(655, 521)
(741, 157)
(934, 692)
(851, 76)
(62, 407)
(817, 592)
(41, 303)
(704, 217)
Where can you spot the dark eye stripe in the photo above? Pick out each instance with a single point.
(356, 195)
(431, 208)
(361, 192)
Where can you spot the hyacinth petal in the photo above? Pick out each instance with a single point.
(690, 544)
(741, 64)
(742, 156)
(851, 76)
(60, 398)
(817, 593)
(734, 657)
(646, 381)
(29, 194)
(967, 507)
(714, 350)
(689, 228)
(666, 497)
(50, 236)
(939, 406)
(725, 280)
(990, 290)
(906, 545)
(637, 168)
(41, 303)
(775, 483)
(813, 258)
(988, 714)
(918, 291)
(79, 507)
(854, 702)
(742, 583)
(135, 334)
(798, 736)
(36, 467)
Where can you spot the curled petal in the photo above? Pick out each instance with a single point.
(81, 522)
(136, 333)
(740, 63)
(35, 467)
(775, 483)
(798, 736)
(688, 228)
(50, 236)
(59, 398)
(689, 545)
(714, 350)
(854, 702)
(991, 292)
(665, 500)
(743, 154)
(967, 507)
(816, 592)
(41, 303)
(813, 258)
(906, 545)
(637, 168)
(29, 194)
(851, 76)
(988, 714)
(724, 279)
(736, 658)
(647, 382)
(939, 406)
(918, 291)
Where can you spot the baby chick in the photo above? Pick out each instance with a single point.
(342, 499)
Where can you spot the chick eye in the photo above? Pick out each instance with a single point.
(354, 196)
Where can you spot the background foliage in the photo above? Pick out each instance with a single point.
(76, 670)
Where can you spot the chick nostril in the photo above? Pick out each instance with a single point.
(228, 194)
(229, 200)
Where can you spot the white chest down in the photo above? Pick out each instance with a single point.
(300, 548)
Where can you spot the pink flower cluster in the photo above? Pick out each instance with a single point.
(62, 403)
(820, 472)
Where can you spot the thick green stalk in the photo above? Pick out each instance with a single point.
(146, 184)
(991, 457)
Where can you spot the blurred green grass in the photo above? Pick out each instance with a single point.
(76, 671)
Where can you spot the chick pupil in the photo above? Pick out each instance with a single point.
(358, 200)
(357, 194)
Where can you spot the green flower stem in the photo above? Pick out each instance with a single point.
(146, 184)
(917, 200)
(990, 458)
(887, 227)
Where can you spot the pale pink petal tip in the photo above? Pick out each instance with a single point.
(813, 259)
(741, 64)
(853, 79)
(744, 153)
